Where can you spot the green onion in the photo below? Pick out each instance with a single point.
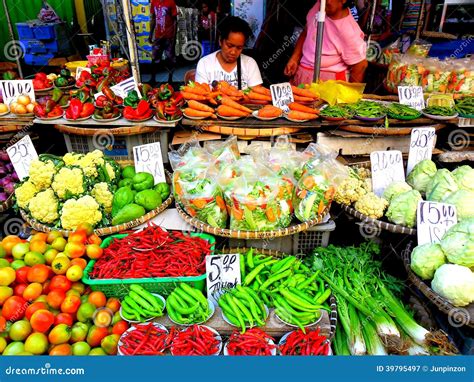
(339, 343)
(372, 340)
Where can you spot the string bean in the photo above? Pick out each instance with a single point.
(336, 111)
(403, 110)
(369, 109)
(442, 111)
(465, 106)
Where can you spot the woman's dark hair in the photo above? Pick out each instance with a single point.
(348, 4)
(236, 25)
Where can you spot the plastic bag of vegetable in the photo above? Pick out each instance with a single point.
(455, 283)
(464, 202)
(223, 152)
(464, 176)
(440, 186)
(458, 243)
(402, 208)
(421, 174)
(426, 259)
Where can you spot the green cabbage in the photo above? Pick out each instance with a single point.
(421, 174)
(402, 208)
(395, 189)
(440, 186)
(458, 243)
(426, 259)
(464, 176)
(455, 283)
(464, 202)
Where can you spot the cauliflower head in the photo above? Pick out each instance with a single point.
(68, 182)
(104, 197)
(455, 283)
(90, 162)
(82, 210)
(371, 205)
(426, 259)
(41, 173)
(44, 207)
(24, 193)
(350, 190)
(71, 159)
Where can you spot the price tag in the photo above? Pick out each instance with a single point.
(81, 69)
(21, 154)
(123, 88)
(387, 167)
(148, 158)
(12, 89)
(433, 220)
(282, 95)
(411, 96)
(223, 272)
(421, 146)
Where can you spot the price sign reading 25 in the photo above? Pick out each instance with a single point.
(433, 220)
(21, 154)
(421, 146)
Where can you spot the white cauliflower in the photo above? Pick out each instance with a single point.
(71, 159)
(455, 283)
(371, 205)
(44, 207)
(25, 193)
(104, 197)
(90, 161)
(41, 173)
(68, 182)
(349, 191)
(82, 210)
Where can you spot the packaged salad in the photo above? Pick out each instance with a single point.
(462, 77)
(223, 152)
(436, 76)
(195, 186)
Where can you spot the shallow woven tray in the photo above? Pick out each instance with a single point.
(457, 316)
(250, 132)
(224, 232)
(394, 228)
(385, 131)
(278, 254)
(6, 204)
(106, 230)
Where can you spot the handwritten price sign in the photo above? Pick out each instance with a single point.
(411, 96)
(387, 167)
(223, 272)
(433, 220)
(21, 154)
(282, 95)
(148, 158)
(421, 146)
(12, 89)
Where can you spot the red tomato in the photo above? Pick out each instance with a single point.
(120, 327)
(14, 308)
(64, 318)
(55, 298)
(38, 273)
(19, 289)
(33, 308)
(60, 282)
(42, 320)
(21, 275)
(71, 304)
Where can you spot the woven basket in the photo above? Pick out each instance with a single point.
(106, 230)
(6, 204)
(457, 316)
(278, 254)
(224, 232)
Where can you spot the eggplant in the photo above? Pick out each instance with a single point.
(9, 167)
(15, 177)
(4, 156)
(3, 197)
(9, 188)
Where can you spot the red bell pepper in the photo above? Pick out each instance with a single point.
(75, 106)
(87, 110)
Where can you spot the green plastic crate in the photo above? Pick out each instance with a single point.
(161, 285)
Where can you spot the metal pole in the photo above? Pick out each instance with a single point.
(132, 47)
(319, 41)
(371, 22)
(12, 38)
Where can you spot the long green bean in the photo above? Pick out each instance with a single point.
(465, 106)
(403, 110)
(336, 111)
(369, 109)
(442, 111)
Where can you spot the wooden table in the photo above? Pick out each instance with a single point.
(113, 125)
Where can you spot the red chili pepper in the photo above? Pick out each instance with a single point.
(311, 343)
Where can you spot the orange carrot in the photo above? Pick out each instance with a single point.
(196, 97)
(212, 101)
(300, 115)
(228, 89)
(194, 89)
(269, 111)
(200, 106)
(197, 113)
(257, 96)
(302, 99)
(228, 111)
(303, 92)
(262, 90)
(229, 102)
(204, 86)
(298, 107)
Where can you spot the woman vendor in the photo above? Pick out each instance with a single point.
(343, 52)
(229, 64)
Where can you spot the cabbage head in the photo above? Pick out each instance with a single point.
(402, 208)
(426, 259)
(464, 202)
(394, 189)
(458, 243)
(440, 186)
(464, 176)
(421, 174)
(455, 283)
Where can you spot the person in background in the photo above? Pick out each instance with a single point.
(409, 20)
(163, 15)
(343, 52)
(229, 64)
(207, 19)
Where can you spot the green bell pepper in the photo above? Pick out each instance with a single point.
(143, 181)
(163, 189)
(122, 197)
(148, 199)
(128, 172)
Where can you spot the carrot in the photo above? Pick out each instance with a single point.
(197, 113)
(204, 86)
(262, 90)
(196, 97)
(230, 102)
(269, 111)
(200, 106)
(294, 114)
(228, 111)
(257, 96)
(212, 101)
(194, 89)
(303, 92)
(302, 99)
(228, 89)
(298, 107)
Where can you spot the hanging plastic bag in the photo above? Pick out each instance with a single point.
(47, 14)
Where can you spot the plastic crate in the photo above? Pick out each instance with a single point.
(122, 147)
(302, 242)
(25, 31)
(38, 59)
(45, 31)
(161, 285)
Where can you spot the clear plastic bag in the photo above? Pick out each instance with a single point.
(388, 52)
(223, 152)
(419, 48)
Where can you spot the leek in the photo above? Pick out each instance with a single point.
(355, 338)
(339, 344)
(372, 340)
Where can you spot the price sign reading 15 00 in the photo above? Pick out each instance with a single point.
(433, 220)
(148, 158)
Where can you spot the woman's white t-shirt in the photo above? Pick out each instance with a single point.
(209, 69)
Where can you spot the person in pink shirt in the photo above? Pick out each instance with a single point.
(344, 49)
